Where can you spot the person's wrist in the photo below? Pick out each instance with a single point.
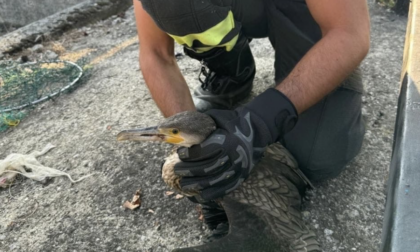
(276, 111)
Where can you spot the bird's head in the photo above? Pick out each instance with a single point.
(183, 129)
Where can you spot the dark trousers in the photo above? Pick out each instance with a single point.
(329, 134)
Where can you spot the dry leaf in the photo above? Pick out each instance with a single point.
(200, 213)
(169, 193)
(130, 205)
(179, 196)
(136, 198)
(135, 202)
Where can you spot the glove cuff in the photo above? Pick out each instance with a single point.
(277, 112)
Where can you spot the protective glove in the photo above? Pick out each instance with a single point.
(225, 159)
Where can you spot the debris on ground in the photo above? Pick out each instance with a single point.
(135, 202)
(37, 48)
(179, 196)
(169, 193)
(200, 212)
(28, 166)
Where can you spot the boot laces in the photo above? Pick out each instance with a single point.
(207, 77)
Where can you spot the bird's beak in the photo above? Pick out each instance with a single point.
(144, 134)
(149, 134)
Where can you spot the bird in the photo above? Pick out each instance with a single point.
(264, 212)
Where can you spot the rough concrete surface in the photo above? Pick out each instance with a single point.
(22, 12)
(51, 26)
(345, 212)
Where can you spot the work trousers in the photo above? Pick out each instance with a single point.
(327, 135)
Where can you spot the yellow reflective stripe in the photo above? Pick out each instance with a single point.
(211, 37)
(229, 45)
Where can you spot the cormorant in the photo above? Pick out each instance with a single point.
(263, 212)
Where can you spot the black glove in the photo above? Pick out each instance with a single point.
(224, 160)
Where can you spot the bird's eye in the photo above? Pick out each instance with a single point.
(175, 131)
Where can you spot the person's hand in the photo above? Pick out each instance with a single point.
(225, 159)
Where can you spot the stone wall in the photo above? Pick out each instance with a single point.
(53, 25)
(17, 13)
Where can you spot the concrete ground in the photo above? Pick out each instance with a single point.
(346, 212)
(14, 14)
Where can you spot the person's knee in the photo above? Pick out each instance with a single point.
(318, 172)
(323, 151)
(330, 163)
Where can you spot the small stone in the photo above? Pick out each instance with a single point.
(107, 22)
(51, 55)
(340, 217)
(37, 48)
(116, 21)
(354, 214)
(2, 237)
(328, 232)
(61, 238)
(38, 38)
(14, 246)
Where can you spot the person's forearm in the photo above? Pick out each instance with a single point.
(166, 84)
(323, 68)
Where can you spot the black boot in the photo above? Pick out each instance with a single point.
(226, 77)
